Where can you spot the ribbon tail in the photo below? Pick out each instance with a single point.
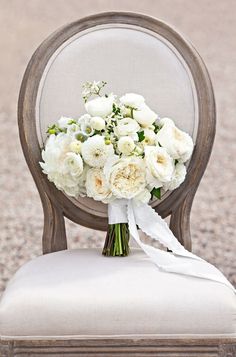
(180, 261)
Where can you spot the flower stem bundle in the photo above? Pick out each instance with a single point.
(117, 240)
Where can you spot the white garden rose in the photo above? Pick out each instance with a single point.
(97, 123)
(150, 137)
(177, 143)
(132, 100)
(101, 106)
(177, 178)
(126, 176)
(126, 127)
(95, 152)
(144, 116)
(125, 145)
(159, 163)
(97, 187)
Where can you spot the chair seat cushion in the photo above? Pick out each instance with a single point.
(82, 293)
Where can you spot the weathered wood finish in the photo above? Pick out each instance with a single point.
(178, 203)
(121, 348)
(56, 205)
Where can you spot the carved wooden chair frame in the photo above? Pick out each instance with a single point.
(56, 205)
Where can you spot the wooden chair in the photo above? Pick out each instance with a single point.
(77, 302)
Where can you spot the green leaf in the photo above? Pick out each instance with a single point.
(141, 136)
(115, 109)
(156, 192)
(157, 128)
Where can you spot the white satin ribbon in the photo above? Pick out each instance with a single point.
(180, 261)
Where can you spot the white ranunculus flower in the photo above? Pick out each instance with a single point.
(97, 186)
(132, 100)
(73, 164)
(63, 168)
(125, 145)
(144, 116)
(177, 143)
(95, 152)
(177, 178)
(126, 176)
(100, 106)
(159, 163)
(97, 123)
(150, 137)
(126, 127)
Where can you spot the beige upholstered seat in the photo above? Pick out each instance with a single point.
(81, 293)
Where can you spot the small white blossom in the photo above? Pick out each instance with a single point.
(97, 123)
(75, 146)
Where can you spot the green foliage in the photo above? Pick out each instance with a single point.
(115, 109)
(141, 136)
(156, 192)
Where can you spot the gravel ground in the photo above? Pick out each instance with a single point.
(210, 25)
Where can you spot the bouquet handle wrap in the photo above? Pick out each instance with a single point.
(180, 260)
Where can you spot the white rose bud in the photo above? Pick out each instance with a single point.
(97, 123)
(101, 106)
(126, 145)
(132, 100)
(75, 146)
(144, 116)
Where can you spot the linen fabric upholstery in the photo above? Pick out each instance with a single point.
(82, 293)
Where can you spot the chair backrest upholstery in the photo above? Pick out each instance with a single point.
(133, 53)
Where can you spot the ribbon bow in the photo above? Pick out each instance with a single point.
(179, 260)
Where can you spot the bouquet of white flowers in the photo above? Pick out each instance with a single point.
(119, 149)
